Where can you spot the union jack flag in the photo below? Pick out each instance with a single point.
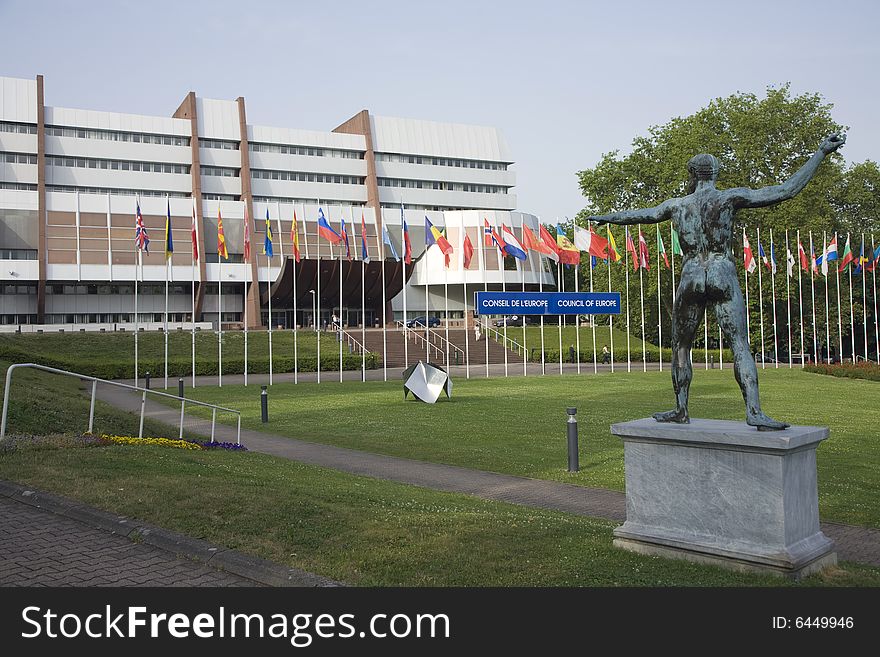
(140, 234)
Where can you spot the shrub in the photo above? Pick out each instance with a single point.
(868, 371)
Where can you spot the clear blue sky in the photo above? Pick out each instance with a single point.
(564, 81)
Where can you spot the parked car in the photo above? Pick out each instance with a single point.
(510, 320)
(421, 321)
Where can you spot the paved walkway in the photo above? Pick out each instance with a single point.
(853, 543)
(41, 548)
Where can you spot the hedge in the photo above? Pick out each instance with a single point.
(868, 371)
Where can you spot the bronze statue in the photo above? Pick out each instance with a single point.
(704, 221)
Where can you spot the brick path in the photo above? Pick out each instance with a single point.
(41, 548)
(854, 543)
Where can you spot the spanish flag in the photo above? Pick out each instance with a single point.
(294, 237)
(221, 239)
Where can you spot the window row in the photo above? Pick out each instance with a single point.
(20, 128)
(21, 187)
(223, 172)
(18, 289)
(116, 191)
(116, 165)
(18, 158)
(116, 135)
(219, 144)
(267, 174)
(441, 161)
(112, 318)
(23, 318)
(117, 289)
(286, 149)
(220, 197)
(18, 254)
(300, 201)
(442, 185)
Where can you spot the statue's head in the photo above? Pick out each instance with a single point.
(702, 167)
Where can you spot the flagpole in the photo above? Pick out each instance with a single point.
(642, 297)
(813, 301)
(862, 264)
(611, 317)
(484, 266)
(827, 301)
(167, 271)
(446, 300)
(761, 299)
(295, 229)
(247, 279)
(561, 284)
(318, 294)
(800, 296)
(339, 330)
(773, 304)
(137, 270)
(659, 304)
(541, 289)
(788, 294)
(500, 256)
(467, 346)
(593, 317)
(193, 276)
(627, 240)
(577, 323)
(522, 234)
(363, 304)
(384, 301)
(852, 321)
(427, 327)
(220, 318)
(268, 294)
(875, 263)
(746, 286)
(839, 320)
(403, 283)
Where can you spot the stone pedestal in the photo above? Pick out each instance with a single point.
(724, 493)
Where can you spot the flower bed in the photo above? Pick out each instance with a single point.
(863, 370)
(168, 442)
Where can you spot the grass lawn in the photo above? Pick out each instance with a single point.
(517, 425)
(360, 530)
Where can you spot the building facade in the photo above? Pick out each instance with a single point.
(70, 182)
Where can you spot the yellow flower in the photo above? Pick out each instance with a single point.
(162, 442)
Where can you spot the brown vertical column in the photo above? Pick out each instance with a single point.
(42, 256)
(187, 110)
(253, 295)
(359, 124)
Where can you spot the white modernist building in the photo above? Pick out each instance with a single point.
(70, 180)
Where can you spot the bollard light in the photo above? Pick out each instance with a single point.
(180, 387)
(264, 404)
(572, 426)
(147, 380)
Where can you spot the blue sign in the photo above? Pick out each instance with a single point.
(547, 303)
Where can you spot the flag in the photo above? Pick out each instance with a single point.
(195, 235)
(644, 256)
(267, 244)
(407, 246)
(533, 243)
(550, 242)
(247, 234)
(434, 235)
(365, 255)
(386, 238)
(468, 250)
(789, 261)
(491, 237)
(513, 248)
(662, 249)
(772, 259)
(294, 237)
(169, 243)
(221, 238)
(613, 253)
(861, 260)
(344, 235)
(814, 264)
(587, 240)
(140, 231)
(568, 253)
(871, 263)
(631, 249)
(762, 254)
(748, 257)
(582, 239)
(325, 231)
(847, 256)
(802, 256)
(676, 246)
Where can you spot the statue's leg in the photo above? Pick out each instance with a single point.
(687, 312)
(731, 314)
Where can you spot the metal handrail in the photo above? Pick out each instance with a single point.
(444, 341)
(351, 339)
(95, 381)
(415, 333)
(517, 347)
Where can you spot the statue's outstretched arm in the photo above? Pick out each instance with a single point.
(743, 197)
(653, 215)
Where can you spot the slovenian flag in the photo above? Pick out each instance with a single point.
(345, 239)
(325, 231)
(514, 248)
